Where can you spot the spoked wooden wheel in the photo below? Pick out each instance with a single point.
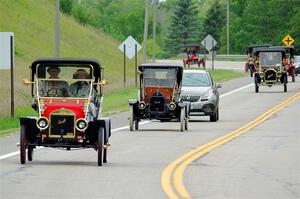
(100, 146)
(23, 144)
(30, 153)
(131, 118)
(136, 125)
(182, 116)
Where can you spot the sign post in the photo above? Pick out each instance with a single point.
(7, 62)
(209, 42)
(130, 48)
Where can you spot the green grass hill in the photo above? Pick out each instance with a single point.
(33, 24)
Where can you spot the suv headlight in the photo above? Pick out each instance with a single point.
(81, 124)
(42, 123)
(206, 96)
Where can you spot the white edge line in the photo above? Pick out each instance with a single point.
(126, 127)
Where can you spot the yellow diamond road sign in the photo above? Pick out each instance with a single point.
(288, 40)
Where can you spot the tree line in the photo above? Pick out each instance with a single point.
(182, 22)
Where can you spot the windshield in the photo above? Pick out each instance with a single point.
(196, 80)
(159, 77)
(64, 81)
(269, 59)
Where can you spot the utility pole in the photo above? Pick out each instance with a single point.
(57, 36)
(145, 32)
(154, 31)
(228, 27)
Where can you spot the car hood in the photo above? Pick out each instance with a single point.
(194, 91)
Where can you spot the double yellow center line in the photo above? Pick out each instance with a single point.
(172, 176)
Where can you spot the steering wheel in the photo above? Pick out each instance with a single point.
(56, 92)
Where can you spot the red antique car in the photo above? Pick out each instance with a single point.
(192, 56)
(68, 99)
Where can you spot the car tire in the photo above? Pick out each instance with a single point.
(30, 153)
(136, 125)
(105, 155)
(285, 83)
(256, 88)
(186, 123)
(214, 117)
(131, 118)
(100, 142)
(23, 144)
(182, 119)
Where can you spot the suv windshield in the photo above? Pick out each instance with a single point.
(196, 80)
(267, 59)
(64, 81)
(159, 77)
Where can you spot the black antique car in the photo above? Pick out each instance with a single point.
(288, 61)
(68, 98)
(158, 96)
(252, 58)
(270, 70)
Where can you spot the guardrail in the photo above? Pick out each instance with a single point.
(225, 56)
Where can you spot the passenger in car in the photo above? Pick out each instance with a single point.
(80, 88)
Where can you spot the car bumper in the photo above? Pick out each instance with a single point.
(202, 108)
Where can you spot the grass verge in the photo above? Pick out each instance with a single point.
(114, 102)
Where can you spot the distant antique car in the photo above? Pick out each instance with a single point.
(289, 61)
(271, 70)
(68, 99)
(252, 59)
(199, 89)
(192, 56)
(158, 98)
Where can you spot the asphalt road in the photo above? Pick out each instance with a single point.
(262, 163)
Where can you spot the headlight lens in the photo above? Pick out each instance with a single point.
(81, 124)
(172, 106)
(42, 123)
(142, 105)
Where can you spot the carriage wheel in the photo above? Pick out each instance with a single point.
(182, 116)
(186, 123)
(30, 153)
(23, 144)
(100, 146)
(131, 118)
(105, 155)
(256, 88)
(285, 83)
(136, 124)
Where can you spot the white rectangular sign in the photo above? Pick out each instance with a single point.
(5, 50)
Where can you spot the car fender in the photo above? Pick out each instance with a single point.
(132, 101)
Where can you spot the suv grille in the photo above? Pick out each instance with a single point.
(190, 98)
(270, 75)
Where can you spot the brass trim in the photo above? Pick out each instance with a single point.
(81, 130)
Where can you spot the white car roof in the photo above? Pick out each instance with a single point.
(195, 71)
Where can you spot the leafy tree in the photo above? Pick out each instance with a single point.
(184, 26)
(66, 6)
(263, 22)
(214, 21)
